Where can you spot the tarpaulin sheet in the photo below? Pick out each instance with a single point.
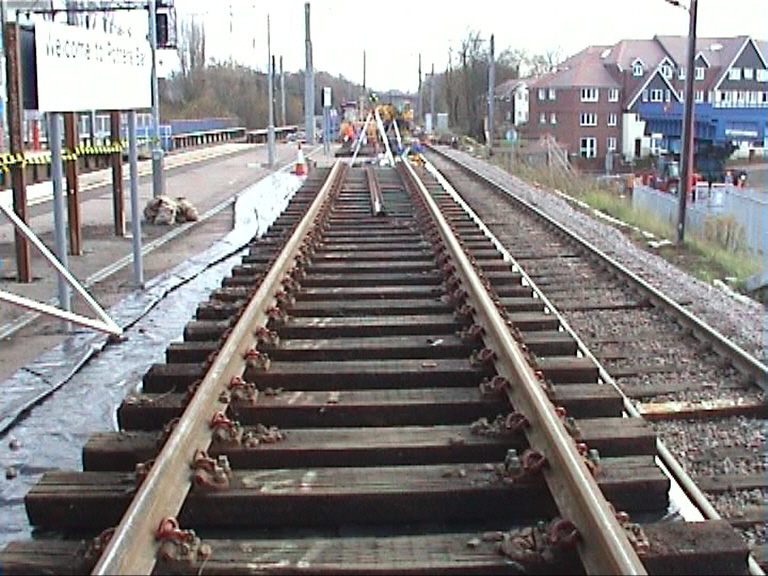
(91, 376)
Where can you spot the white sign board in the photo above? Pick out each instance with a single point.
(326, 97)
(82, 69)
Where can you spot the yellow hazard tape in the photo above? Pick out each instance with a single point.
(38, 158)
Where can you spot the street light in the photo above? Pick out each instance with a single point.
(686, 153)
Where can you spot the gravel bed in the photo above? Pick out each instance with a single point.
(745, 323)
(727, 446)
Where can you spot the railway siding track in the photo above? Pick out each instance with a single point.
(345, 405)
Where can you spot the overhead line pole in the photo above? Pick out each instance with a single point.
(271, 125)
(491, 85)
(309, 83)
(686, 155)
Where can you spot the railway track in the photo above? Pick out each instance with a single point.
(375, 389)
(705, 399)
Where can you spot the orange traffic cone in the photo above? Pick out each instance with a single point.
(301, 165)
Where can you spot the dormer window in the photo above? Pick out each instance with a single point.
(734, 74)
(637, 69)
(666, 71)
(681, 73)
(699, 73)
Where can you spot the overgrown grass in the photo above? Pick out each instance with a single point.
(716, 252)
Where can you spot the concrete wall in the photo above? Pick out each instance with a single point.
(749, 208)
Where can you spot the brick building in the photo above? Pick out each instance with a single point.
(628, 98)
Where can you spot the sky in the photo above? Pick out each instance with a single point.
(394, 33)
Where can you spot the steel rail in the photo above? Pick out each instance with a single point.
(604, 547)
(673, 468)
(132, 549)
(740, 358)
(373, 184)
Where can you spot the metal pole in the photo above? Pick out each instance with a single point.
(271, 125)
(309, 83)
(158, 183)
(60, 232)
(686, 153)
(282, 94)
(432, 98)
(419, 106)
(491, 86)
(138, 265)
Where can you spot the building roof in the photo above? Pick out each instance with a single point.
(584, 69)
(506, 89)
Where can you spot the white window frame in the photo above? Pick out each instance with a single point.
(681, 73)
(553, 118)
(588, 147)
(749, 73)
(610, 144)
(698, 96)
(666, 71)
(637, 69)
(613, 95)
(552, 94)
(764, 98)
(700, 72)
(542, 93)
(542, 118)
(590, 94)
(762, 75)
(734, 74)
(657, 95)
(588, 119)
(645, 95)
(613, 119)
(668, 95)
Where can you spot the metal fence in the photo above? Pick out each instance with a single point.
(737, 216)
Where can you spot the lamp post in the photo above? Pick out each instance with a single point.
(686, 153)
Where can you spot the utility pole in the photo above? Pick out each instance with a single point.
(686, 154)
(309, 83)
(418, 102)
(363, 72)
(271, 126)
(158, 182)
(282, 94)
(491, 87)
(432, 98)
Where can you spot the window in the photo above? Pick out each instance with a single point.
(589, 94)
(542, 118)
(552, 94)
(699, 96)
(765, 97)
(612, 119)
(645, 95)
(668, 95)
(699, 73)
(753, 98)
(553, 118)
(509, 115)
(542, 94)
(748, 73)
(613, 95)
(588, 119)
(734, 74)
(666, 71)
(762, 75)
(681, 73)
(588, 148)
(637, 69)
(657, 95)
(610, 144)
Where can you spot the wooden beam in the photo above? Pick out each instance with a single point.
(71, 142)
(117, 175)
(15, 125)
